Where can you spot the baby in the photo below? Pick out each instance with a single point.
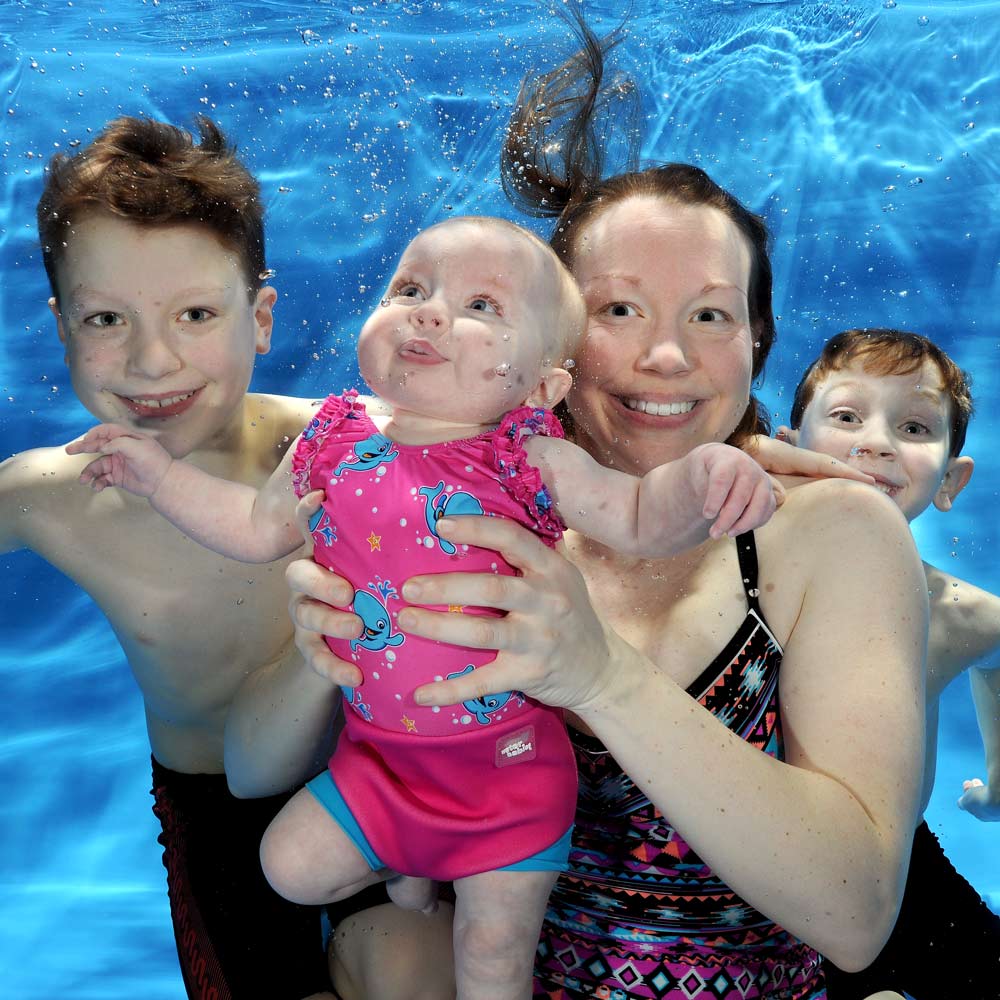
(464, 350)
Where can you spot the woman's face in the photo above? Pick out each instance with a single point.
(666, 363)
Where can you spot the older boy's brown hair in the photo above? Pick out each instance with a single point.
(153, 174)
(889, 352)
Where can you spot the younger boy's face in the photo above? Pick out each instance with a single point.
(158, 329)
(459, 336)
(894, 427)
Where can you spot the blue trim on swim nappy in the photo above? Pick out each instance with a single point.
(328, 795)
(554, 858)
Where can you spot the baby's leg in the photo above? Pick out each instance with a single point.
(308, 858)
(498, 917)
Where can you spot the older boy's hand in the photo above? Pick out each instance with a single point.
(781, 457)
(315, 591)
(129, 459)
(976, 799)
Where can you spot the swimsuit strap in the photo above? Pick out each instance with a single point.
(746, 553)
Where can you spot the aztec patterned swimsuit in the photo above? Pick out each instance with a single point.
(639, 914)
(463, 789)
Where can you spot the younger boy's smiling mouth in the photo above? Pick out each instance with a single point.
(159, 405)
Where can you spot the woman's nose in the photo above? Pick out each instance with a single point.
(666, 352)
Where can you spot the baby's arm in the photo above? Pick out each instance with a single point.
(712, 491)
(983, 801)
(230, 518)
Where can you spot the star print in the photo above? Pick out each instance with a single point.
(411, 726)
(375, 541)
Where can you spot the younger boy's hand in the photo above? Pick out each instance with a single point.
(739, 494)
(130, 460)
(976, 799)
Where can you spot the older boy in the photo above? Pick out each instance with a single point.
(154, 248)
(896, 406)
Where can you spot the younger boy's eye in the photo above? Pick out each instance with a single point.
(482, 304)
(102, 320)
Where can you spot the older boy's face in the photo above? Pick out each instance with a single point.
(894, 427)
(158, 328)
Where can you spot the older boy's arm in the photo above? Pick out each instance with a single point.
(983, 800)
(712, 491)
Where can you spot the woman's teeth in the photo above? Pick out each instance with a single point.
(659, 409)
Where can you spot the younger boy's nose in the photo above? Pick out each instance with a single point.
(151, 355)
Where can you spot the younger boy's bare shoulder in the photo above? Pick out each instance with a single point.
(965, 626)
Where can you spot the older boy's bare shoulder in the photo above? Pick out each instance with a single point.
(965, 626)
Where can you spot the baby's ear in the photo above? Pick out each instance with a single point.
(784, 433)
(956, 478)
(552, 388)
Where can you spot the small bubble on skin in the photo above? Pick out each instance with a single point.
(502, 370)
(569, 363)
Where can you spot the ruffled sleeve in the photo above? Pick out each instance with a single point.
(518, 476)
(328, 418)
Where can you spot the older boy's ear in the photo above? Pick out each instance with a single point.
(956, 477)
(552, 389)
(54, 309)
(263, 314)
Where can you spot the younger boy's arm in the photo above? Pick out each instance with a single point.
(232, 519)
(983, 800)
(712, 491)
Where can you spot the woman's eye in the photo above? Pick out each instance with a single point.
(620, 310)
(103, 320)
(196, 315)
(710, 316)
(481, 304)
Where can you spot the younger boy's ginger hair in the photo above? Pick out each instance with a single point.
(882, 351)
(154, 174)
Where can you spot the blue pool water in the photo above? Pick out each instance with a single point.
(867, 133)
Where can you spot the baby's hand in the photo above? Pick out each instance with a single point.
(739, 494)
(130, 460)
(976, 799)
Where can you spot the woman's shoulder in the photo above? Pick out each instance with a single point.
(832, 505)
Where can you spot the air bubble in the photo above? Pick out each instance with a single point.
(268, 272)
(502, 370)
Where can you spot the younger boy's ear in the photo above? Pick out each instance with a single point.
(263, 314)
(552, 389)
(60, 329)
(784, 433)
(957, 476)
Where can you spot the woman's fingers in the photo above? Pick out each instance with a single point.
(304, 510)
(478, 683)
(516, 544)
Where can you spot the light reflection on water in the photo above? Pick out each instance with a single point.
(863, 130)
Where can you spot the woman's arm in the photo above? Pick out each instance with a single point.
(822, 839)
(280, 727)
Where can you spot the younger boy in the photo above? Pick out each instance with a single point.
(897, 407)
(154, 248)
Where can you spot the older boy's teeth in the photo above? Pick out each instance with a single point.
(169, 401)
(659, 409)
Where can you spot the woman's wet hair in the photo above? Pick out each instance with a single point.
(152, 174)
(553, 161)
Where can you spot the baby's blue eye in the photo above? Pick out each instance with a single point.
(482, 305)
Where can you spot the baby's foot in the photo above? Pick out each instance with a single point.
(411, 893)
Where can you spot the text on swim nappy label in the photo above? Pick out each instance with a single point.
(516, 747)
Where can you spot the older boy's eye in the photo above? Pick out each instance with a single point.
(482, 304)
(104, 319)
(914, 427)
(845, 417)
(196, 315)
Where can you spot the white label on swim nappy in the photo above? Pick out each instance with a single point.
(516, 747)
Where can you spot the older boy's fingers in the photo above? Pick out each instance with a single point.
(304, 511)
(471, 686)
(456, 628)
(515, 543)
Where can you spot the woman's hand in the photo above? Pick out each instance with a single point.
(551, 644)
(312, 606)
(781, 457)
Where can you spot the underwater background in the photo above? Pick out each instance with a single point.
(866, 133)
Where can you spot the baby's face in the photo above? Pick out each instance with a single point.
(894, 427)
(460, 335)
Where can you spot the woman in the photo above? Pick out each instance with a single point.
(668, 670)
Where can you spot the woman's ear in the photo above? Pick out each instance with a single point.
(956, 478)
(552, 389)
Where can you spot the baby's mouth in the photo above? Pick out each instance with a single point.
(421, 352)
